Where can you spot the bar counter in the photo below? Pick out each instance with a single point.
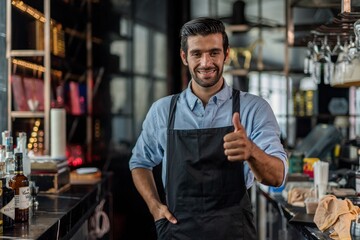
(296, 218)
(61, 215)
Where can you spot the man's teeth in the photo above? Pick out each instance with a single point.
(206, 71)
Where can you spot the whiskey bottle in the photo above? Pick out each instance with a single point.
(20, 183)
(8, 200)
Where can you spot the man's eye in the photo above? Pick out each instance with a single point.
(215, 53)
(196, 54)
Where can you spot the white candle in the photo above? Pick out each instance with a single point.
(58, 133)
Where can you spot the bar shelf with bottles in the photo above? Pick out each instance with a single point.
(47, 215)
(14, 164)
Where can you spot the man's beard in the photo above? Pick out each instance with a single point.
(206, 83)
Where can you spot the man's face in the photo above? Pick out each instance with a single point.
(205, 59)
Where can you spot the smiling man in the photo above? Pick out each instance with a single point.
(213, 142)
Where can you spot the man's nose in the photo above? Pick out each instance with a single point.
(205, 59)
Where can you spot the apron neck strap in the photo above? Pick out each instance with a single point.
(236, 101)
(172, 111)
(235, 106)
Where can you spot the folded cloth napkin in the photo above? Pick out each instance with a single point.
(297, 196)
(336, 214)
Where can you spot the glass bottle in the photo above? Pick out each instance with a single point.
(8, 200)
(20, 183)
(9, 156)
(22, 147)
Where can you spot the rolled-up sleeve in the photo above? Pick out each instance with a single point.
(265, 133)
(147, 153)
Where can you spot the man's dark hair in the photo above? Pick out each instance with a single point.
(202, 26)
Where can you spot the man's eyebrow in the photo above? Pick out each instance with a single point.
(194, 50)
(210, 50)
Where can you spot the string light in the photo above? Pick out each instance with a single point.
(35, 67)
(41, 17)
(36, 140)
(30, 10)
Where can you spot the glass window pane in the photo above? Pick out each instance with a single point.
(125, 27)
(141, 36)
(142, 89)
(121, 129)
(120, 93)
(273, 89)
(160, 56)
(199, 8)
(120, 48)
(160, 89)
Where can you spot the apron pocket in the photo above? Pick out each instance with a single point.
(162, 229)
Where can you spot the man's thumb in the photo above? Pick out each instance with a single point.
(236, 121)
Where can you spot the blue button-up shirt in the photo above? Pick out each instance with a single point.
(255, 113)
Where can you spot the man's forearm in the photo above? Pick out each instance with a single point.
(267, 169)
(145, 184)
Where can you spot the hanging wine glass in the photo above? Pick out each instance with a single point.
(308, 60)
(338, 48)
(321, 67)
(340, 66)
(326, 60)
(352, 71)
(312, 51)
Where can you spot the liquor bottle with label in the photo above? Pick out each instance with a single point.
(20, 183)
(8, 200)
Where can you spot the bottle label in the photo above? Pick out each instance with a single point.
(22, 200)
(9, 209)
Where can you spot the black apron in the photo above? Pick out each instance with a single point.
(205, 192)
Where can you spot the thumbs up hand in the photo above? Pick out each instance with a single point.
(237, 146)
(236, 122)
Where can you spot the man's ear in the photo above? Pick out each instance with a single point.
(183, 57)
(227, 54)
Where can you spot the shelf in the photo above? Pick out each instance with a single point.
(237, 72)
(244, 72)
(316, 4)
(335, 4)
(27, 53)
(27, 114)
(118, 37)
(121, 74)
(238, 28)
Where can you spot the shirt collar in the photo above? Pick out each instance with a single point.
(224, 94)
